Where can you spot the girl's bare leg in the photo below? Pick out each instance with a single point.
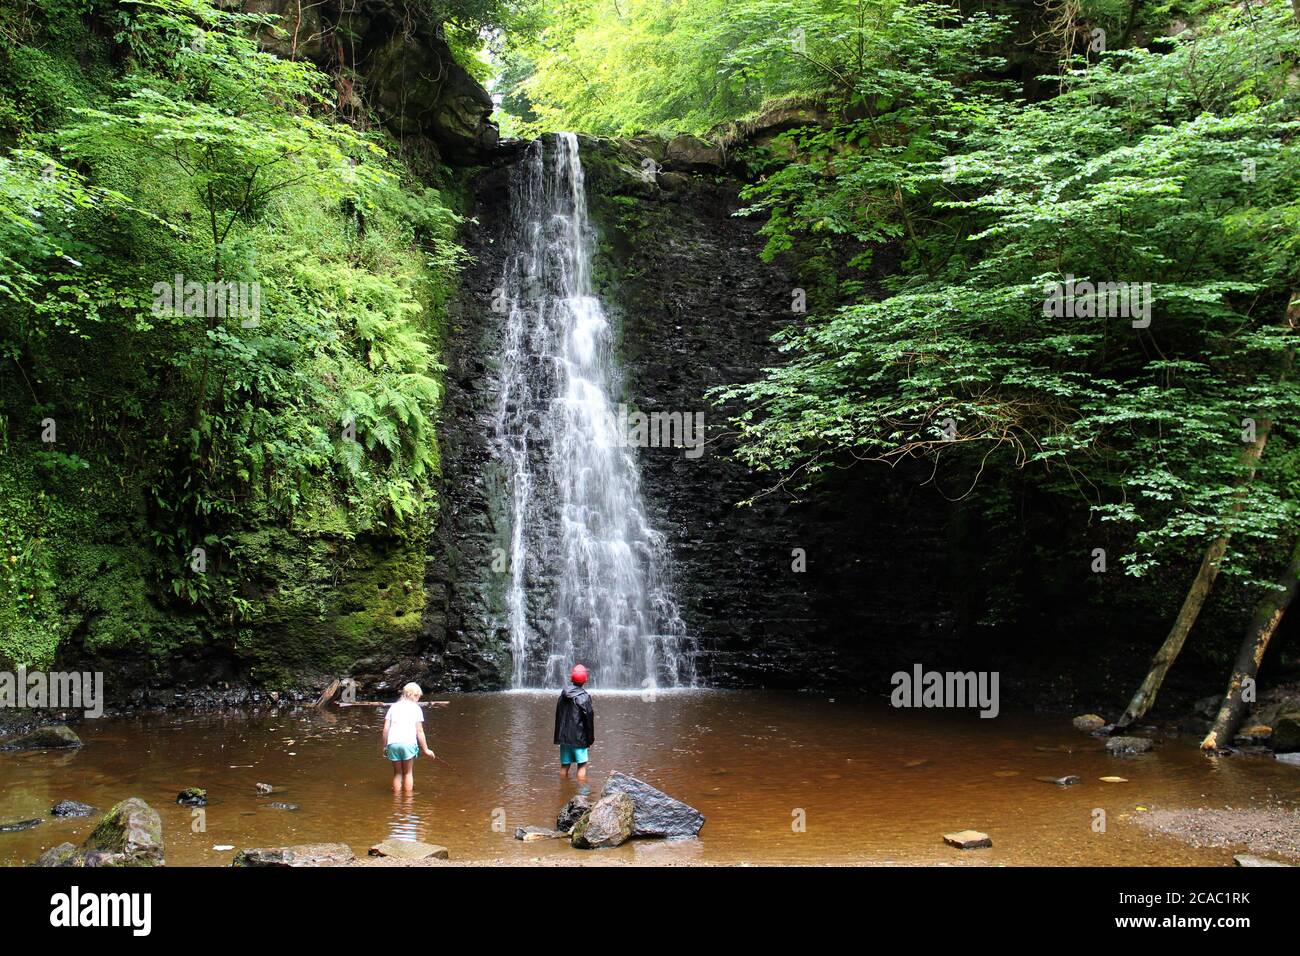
(408, 774)
(397, 776)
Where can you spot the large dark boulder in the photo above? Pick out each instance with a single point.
(53, 737)
(129, 835)
(609, 823)
(307, 854)
(657, 814)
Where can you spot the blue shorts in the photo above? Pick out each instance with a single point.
(401, 751)
(570, 755)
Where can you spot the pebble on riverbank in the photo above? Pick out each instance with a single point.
(968, 839)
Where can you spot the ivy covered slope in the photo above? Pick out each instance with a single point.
(220, 308)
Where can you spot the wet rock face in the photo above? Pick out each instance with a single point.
(693, 307)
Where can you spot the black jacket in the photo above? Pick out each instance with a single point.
(575, 718)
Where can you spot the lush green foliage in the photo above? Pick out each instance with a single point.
(175, 428)
(1175, 167)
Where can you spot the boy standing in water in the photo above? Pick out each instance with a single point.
(575, 723)
(404, 737)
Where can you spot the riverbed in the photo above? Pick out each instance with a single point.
(782, 779)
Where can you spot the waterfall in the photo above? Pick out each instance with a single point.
(587, 572)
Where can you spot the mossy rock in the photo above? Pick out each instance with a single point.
(129, 835)
(53, 737)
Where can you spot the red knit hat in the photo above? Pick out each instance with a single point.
(579, 674)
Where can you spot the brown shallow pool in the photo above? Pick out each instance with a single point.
(874, 785)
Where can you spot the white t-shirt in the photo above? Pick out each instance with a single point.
(402, 719)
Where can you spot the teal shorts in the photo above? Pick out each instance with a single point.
(401, 751)
(570, 755)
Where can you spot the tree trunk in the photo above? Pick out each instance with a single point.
(1263, 625)
(1145, 697)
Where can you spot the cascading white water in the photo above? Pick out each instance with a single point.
(578, 524)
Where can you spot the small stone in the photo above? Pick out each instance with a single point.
(306, 854)
(1114, 779)
(263, 787)
(1129, 745)
(193, 797)
(1088, 722)
(967, 839)
(533, 834)
(1068, 780)
(71, 808)
(1247, 859)
(410, 850)
(277, 805)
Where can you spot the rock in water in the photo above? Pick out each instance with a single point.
(657, 814)
(277, 805)
(573, 811)
(129, 835)
(967, 839)
(1129, 745)
(263, 787)
(307, 854)
(1246, 859)
(1088, 722)
(71, 808)
(609, 823)
(1113, 779)
(1067, 781)
(533, 834)
(193, 797)
(1286, 733)
(1292, 759)
(410, 850)
(65, 854)
(17, 826)
(54, 737)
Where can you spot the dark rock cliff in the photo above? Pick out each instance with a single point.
(695, 308)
